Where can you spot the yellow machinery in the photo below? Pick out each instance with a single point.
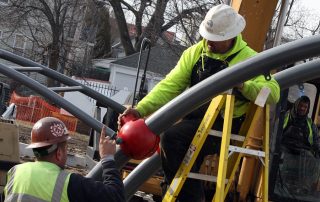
(258, 15)
(9, 148)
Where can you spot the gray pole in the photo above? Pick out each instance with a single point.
(281, 21)
(191, 99)
(61, 78)
(206, 90)
(298, 74)
(149, 167)
(241, 72)
(44, 91)
(121, 159)
(285, 78)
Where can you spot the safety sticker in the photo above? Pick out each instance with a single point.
(189, 154)
(262, 96)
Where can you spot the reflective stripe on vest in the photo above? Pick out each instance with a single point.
(23, 197)
(9, 185)
(309, 122)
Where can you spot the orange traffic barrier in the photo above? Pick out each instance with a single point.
(33, 108)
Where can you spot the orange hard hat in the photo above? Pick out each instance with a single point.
(48, 131)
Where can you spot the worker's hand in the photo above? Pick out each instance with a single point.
(129, 114)
(106, 145)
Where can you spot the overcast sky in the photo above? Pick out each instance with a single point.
(311, 4)
(307, 12)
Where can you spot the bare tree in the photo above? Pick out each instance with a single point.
(154, 17)
(97, 28)
(299, 23)
(49, 24)
(102, 48)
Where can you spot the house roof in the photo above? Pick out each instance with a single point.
(161, 59)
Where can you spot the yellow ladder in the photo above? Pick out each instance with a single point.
(257, 118)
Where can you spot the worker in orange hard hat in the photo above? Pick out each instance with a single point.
(222, 47)
(45, 179)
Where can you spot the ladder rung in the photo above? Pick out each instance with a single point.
(232, 137)
(203, 177)
(247, 151)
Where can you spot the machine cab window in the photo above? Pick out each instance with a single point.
(295, 173)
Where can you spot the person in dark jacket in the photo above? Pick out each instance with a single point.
(46, 180)
(299, 131)
(299, 168)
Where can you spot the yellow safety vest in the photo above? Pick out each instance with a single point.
(309, 122)
(37, 182)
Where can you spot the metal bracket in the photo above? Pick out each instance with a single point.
(301, 87)
(246, 151)
(267, 76)
(252, 152)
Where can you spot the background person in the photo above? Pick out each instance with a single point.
(299, 131)
(299, 169)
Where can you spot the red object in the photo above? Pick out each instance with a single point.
(138, 141)
(127, 118)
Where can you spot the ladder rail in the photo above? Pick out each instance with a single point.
(223, 160)
(265, 168)
(193, 151)
(252, 142)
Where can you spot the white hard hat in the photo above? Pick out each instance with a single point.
(221, 23)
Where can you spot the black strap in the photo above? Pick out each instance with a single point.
(230, 57)
(210, 67)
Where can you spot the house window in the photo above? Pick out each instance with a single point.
(19, 44)
(72, 29)
(4, 2)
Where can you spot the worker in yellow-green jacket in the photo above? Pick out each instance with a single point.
(222, 46)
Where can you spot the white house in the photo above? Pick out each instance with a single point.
(162, 59)
(87, 104)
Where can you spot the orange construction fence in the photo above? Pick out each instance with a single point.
(33, 108)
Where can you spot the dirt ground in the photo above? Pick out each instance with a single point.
(76, 145)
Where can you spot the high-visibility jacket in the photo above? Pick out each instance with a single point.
(37, 182)
(179, 79)
(309, 123)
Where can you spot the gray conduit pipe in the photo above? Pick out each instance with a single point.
(34, 85)
(57, 99)
(295, 51)
(298, 74)
(199, 94)
(227, 78)
(61, 78)
(286, 78)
